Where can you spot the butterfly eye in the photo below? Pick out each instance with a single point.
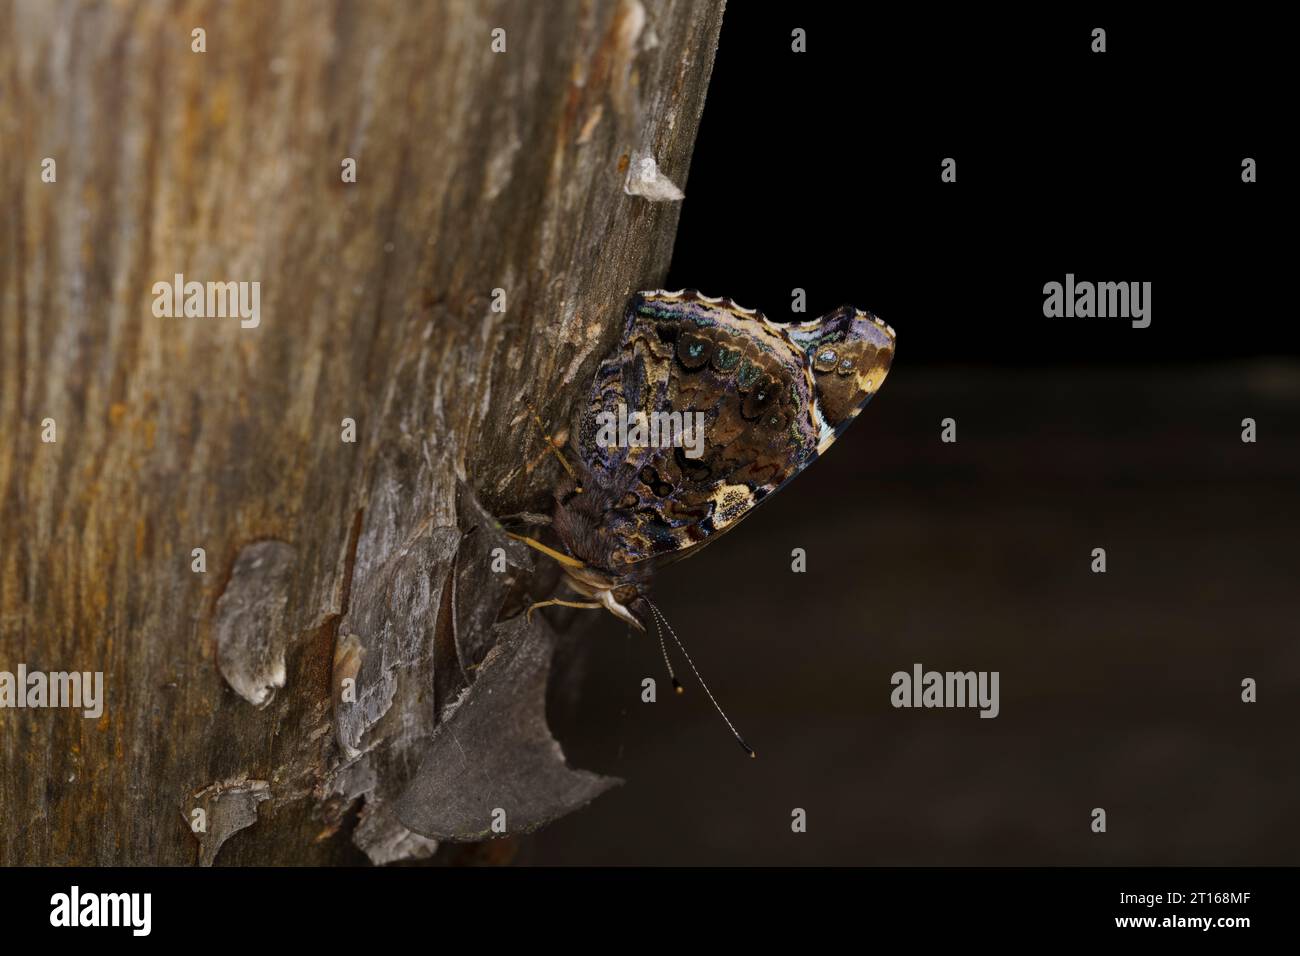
(825, 360)
(846, 366)
(693, 351)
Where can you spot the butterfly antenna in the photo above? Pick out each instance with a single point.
(659, 616)
(663, 649)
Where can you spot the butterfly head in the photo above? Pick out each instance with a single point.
(621, 598)
(625, 603)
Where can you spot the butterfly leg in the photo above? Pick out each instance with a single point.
(553, 601)
(554, 447)
(549, 552)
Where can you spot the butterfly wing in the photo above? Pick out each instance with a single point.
(771, 399)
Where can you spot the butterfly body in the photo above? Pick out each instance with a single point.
(770, 399)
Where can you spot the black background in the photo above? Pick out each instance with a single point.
(821, 171)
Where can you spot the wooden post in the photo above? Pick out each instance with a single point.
(444, 207)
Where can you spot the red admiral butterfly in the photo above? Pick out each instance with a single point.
(773, 397)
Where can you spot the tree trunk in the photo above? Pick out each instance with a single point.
(341, 669)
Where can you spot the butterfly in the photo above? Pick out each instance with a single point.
(771, 398)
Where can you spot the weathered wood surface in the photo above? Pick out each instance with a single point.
(325, 560)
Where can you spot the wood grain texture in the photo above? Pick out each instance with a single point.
(475, 171)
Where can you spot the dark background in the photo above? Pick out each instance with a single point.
(821, 171)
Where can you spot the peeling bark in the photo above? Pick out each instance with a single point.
(223, 809)
(249, 621)
(328, 561)
(492, 758)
